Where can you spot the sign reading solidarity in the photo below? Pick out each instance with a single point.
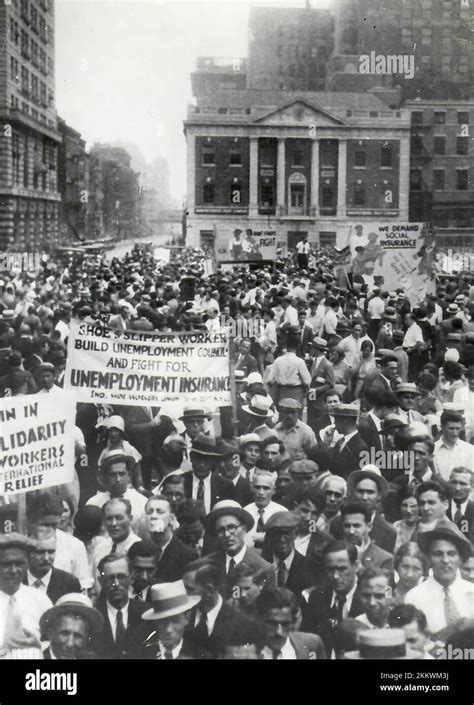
(36, 442)
(142, 369)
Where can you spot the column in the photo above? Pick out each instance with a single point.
(253, 178)
(341, 178)
(191, 171)
(404, 177)
(281, 169)
(315, 175)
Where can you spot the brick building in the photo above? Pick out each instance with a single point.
(294, 162)
(29, 137)
(73, 184)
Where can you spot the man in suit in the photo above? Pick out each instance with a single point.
(278, 611)
(291, 569)
(123, 628)
(346, 454)
(41, 574)
(202, 482)
(337, 599)
(72, 627)
(356, 526)
(229, 523)
(407, 393)
(370, 488)
(461, 508)
(322, 379)
(172, 556)
(306, 334)
(169, 616)
(383, 402)
(212, 618)
(385, 379)
(230, 470)
(142, 558)
(331, 401)
(245, 361)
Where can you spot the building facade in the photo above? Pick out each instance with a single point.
(73, 185)
(29, 214)
(295, 163)
(442, 165)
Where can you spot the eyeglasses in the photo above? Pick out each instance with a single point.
(228, 529)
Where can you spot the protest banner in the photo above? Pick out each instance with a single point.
(148, 369)
(161, 254)
(36, 442)
(393, 255)
(248, 246)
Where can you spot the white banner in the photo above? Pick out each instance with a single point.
(36, 442)
(161, 254)
(148, 369)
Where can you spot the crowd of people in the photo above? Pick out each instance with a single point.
(332, 517)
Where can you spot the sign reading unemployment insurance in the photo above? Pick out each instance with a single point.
(36, 441)
(147, 369)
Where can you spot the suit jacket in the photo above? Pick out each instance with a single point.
(383, 534)
(135, 635)
(220, 487)
(349, 458)
(317, 614)
(369, 433)
(306, 336)
(376, 557)
(298, 577)
(189, 651)
(251, 558)
(466, 524)
(378, 382)
(308, 647)
(213, 643)
(61, 583)
(248, 364)
(243, 494)
(173, 561)
(325, 371)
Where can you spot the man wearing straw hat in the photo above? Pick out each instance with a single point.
(72, 628)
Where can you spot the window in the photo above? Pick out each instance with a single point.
(44, 102)
(25, 44)
(208, 156)
(14, 70)
(267, 193)
(326, 197)
(16, 159)
(462, 179)
(208, 194)
(359, 195)
(386, 155)
(415, 180)
(297, 159)
(14, 32)
(25, 81)
(463, 118)
(222, 111)
(327, 239)
(438, 179)
(26, 176)
(34, 53)
(236, 194)
(462, 145)
(42, 60)
(417, 118)
(439, 145)
(439, 118)
(359, 158)
(34, 19)
(34, 88)
(25, 11)
(235, 158)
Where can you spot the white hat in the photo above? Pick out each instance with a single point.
(169, 599)
(259, 406)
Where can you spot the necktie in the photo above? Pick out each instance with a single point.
(450, 610)
(282, 574)
(11, 625)
(276, 653)
(168, 655)
(138, 596)
(158, 554)
(338, 445)
(458, 515)
(119, 630)
(232, 565)
(200, 491)
(337, 608)
(38, 584)
(260, 523)
(114, 547)
(201, 630)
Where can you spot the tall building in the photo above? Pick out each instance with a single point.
(73, 185)
(289, 48)
(29, 137)
(294, 162)
(215, 73)
(437, 33)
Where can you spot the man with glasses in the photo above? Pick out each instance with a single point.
(229, 523)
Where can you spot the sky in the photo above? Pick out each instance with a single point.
(123, 67)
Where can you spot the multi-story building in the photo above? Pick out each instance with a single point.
(442, 164)
(29, 138)
(289, 48)
(294, 163)
(437, 33)
(73, 184)
(214, 73)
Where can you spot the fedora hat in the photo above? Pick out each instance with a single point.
(392, 423)
(448, 532)
(169, 599)
(375, 644)
(259, 406)
(75, 603)
(205, 445)
(368, 472)
(190, 412)
(228, 507)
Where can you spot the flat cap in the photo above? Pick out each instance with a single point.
(15, 540)
(282, 521)
(290, 404)
(303, 467)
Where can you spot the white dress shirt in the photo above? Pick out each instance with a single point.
(348, 603)
(446, 457)
(238, 558)
(71, 556)
(413, 336)
(211, 616)
(30, 604)
(207, 491)
(45, 580)
(287, 652)
(112, 615)
(176, 651)
(270, 509)
(428, 596)
(302, 543)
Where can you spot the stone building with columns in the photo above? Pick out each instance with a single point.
(303, 163)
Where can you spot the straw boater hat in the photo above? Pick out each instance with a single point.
(190, 412)
(249, 438)
(15, 540)
(73, 603)
(117, 456)
(169, 599)
(319, 343)
(407, 388)
(376, 644)
(345, 410)
(259, 406)
(228, 507)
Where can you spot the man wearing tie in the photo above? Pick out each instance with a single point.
(202, 482)
(291, 568)
(262, 508)
(407, 393)
(461, 508)
(41, 574)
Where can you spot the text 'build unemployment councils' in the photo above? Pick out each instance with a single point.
(36, 442)
(146, 368)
